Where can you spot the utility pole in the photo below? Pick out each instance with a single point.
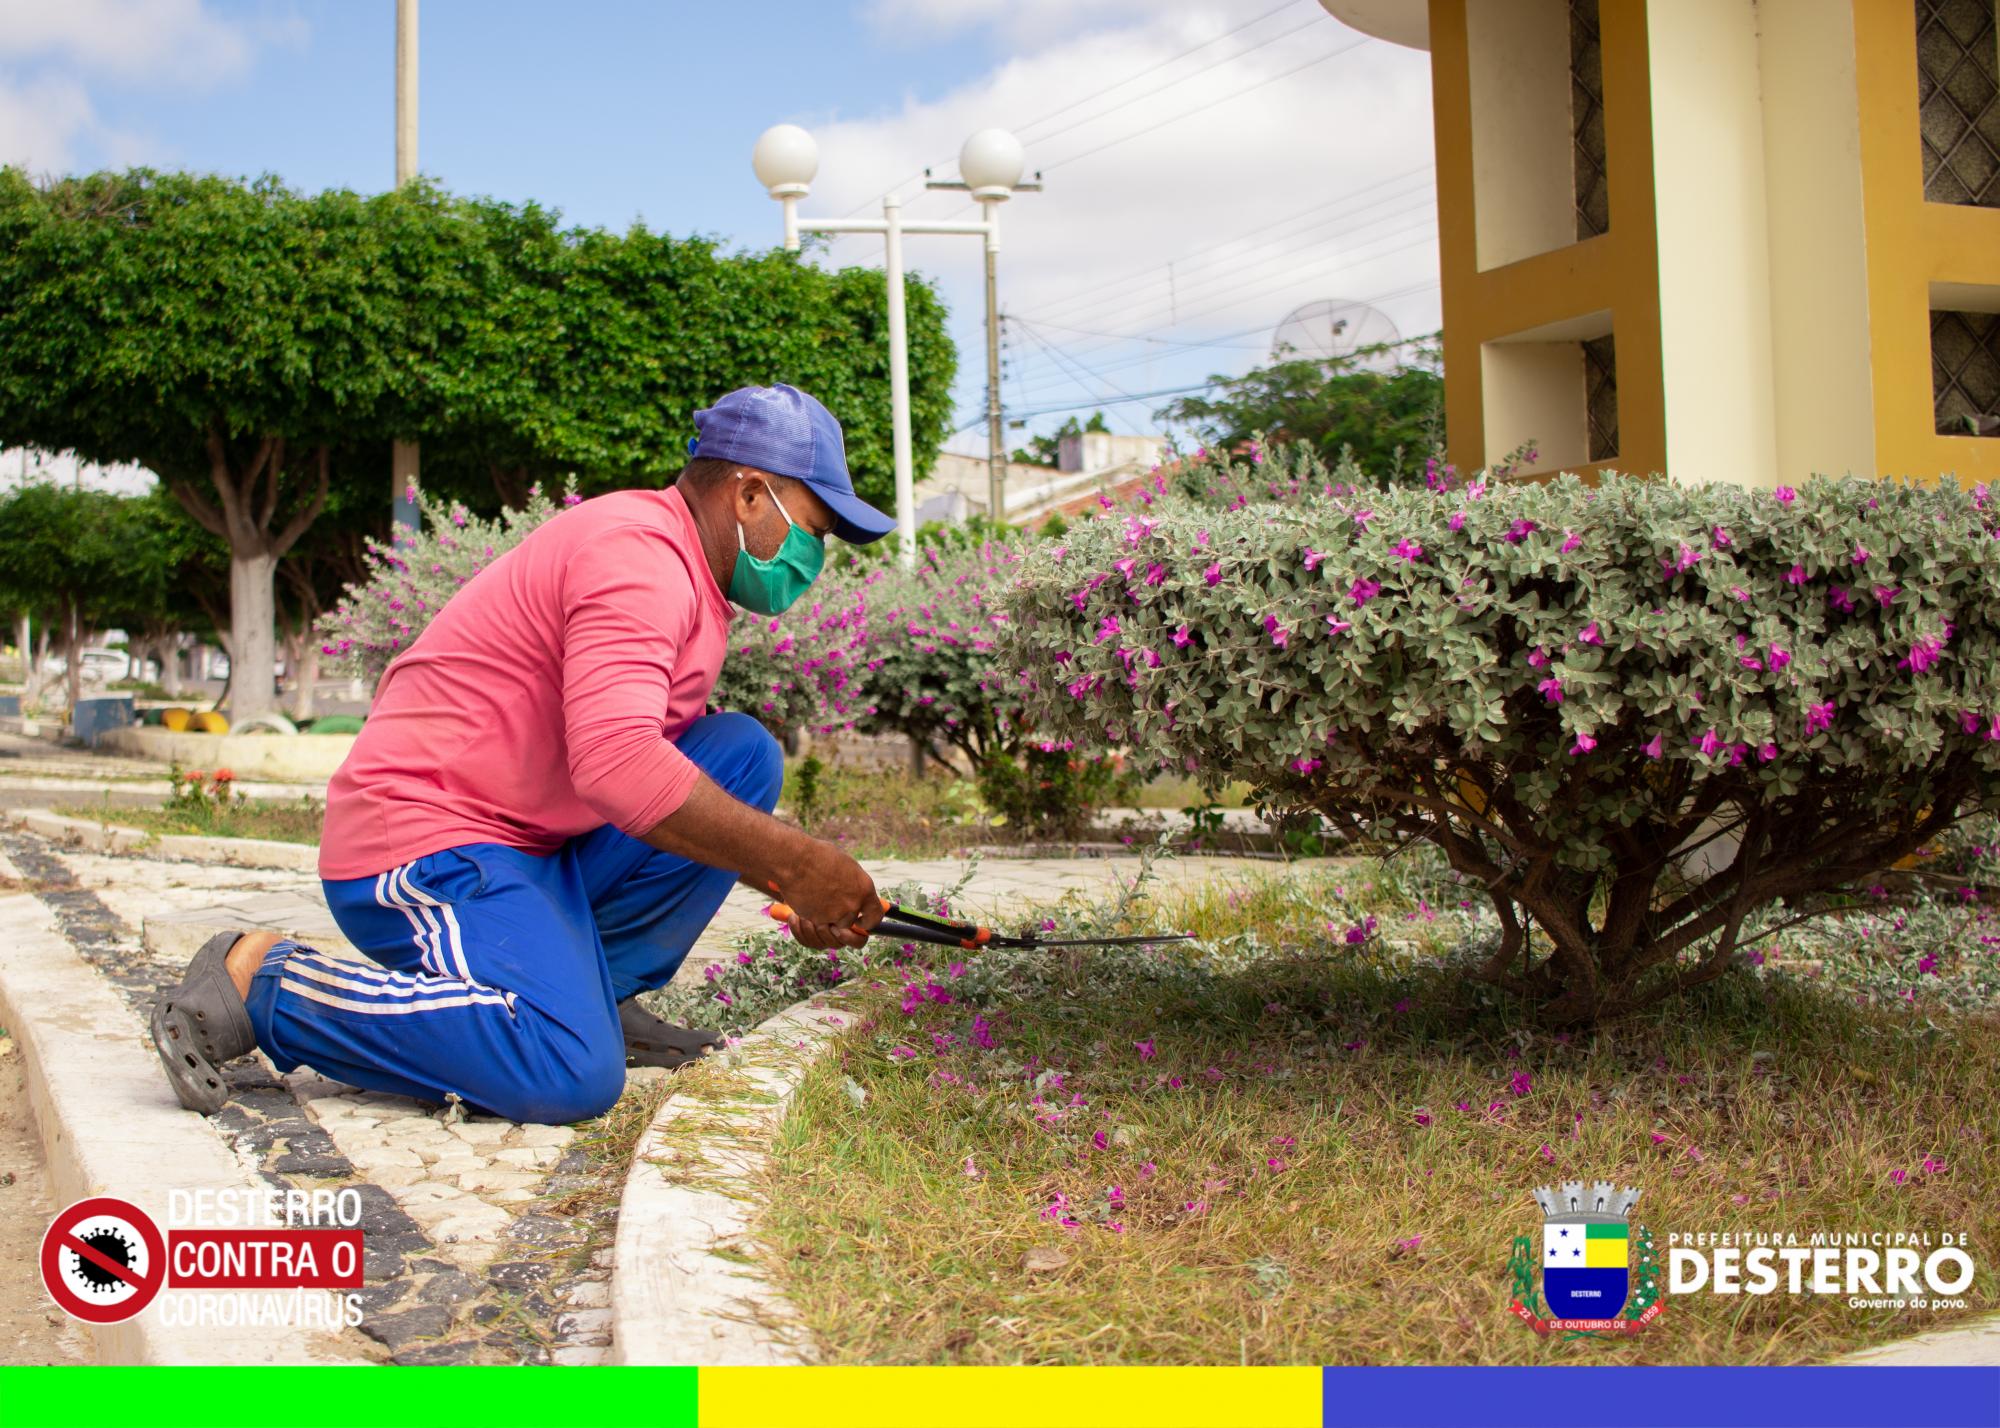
(404, 457)
(996, 438)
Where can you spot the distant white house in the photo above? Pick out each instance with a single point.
(956, 488)
(21, 466)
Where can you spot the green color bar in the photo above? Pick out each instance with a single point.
(1604, 1232)
(359, 1396)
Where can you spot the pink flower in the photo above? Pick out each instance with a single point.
(1547, 1154)
(1423, 1118)
(1314, 557)
(1583, 745)
(1785, 495)
(1362, 518)
(1590, 635)
(1897, 1177)
(1551, 689)
(1720, 539)
(1779, 657)
(1407, 549)
(1213, 575)
(1521, 530)
(1838, 597)
(1860, 555)
(1885, 594)
(1767, 752)
(1571, 541)
(1278, 633)
(1456, 520)
(1796, 575)
(1274, 1164)
(1410, 1245)
(1659, 1139)
(1655, 747)
(1521, 1084)
(1101, 1140)
(1708, 743)
(1182, 637)
(1362, 591)
(1338, 625)
(1146, 1049)
(1933, 1167)
(1818, 717)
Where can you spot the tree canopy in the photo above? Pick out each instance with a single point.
(1390, 420)
(260, 348)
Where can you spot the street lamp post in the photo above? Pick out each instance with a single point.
(786, 160)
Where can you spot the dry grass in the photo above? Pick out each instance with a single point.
(1761, 1103)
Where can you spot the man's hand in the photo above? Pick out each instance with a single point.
(833, 900)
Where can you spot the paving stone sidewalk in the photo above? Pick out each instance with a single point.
(487, 1241)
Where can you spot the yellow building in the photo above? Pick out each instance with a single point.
(1743, 240)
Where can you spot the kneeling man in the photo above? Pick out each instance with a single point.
(538, 820)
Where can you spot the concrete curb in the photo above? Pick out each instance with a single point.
(97, 836)
(88, 834)
(110, 1126)
(681, 1292)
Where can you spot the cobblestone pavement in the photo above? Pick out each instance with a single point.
(486, 1241)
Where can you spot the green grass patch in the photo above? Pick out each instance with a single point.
(1284, 1146)
(281, 821)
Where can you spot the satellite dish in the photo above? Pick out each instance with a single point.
(1332, 329)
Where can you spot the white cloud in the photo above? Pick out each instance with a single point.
(40, 122)
(175, 41)
(1267, 177)
(51, 49)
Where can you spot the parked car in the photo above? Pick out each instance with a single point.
(101, 666)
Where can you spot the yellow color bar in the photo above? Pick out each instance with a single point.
(1010, 1398)
(1605, 1254)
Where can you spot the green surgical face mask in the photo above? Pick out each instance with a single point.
(770, 587)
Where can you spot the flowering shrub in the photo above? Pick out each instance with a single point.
(200, 796)
(884, 650)
(409, 583)
(1569, 690)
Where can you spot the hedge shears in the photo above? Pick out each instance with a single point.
(903, 925)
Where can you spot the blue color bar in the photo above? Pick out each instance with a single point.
(1643, 1396)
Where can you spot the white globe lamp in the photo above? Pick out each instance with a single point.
(786, 159)
(991, 163)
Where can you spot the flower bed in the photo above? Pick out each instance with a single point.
(1569, 690)
(1311, 1139)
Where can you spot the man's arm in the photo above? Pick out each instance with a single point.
(833, 898)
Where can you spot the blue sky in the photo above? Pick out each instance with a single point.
(1211, 163)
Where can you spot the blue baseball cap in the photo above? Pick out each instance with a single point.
(788, 433)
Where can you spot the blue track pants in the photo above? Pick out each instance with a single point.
(497, 973)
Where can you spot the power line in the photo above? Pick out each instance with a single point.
(1184, 261)
(1191, 74)
(1203, 109)
(1109, 88)
(1298, 242)
(1263, 285)
(1031, 390)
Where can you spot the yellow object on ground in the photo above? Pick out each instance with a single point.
(208, 722)
(175, 719)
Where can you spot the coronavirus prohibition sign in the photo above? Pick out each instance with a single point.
(103, 1260)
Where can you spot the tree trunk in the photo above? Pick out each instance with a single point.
(73, 659)
(253, 621)
(23, 638)
(304, 661)
(170, 667)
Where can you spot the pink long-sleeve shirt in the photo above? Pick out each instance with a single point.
(544, 699)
